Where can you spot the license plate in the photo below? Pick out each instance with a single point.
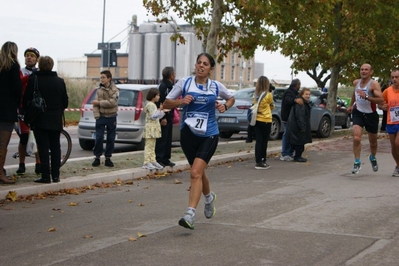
(227, 120)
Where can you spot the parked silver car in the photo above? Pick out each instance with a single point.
(130, 119)
(235, 120)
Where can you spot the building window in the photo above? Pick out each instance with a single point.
(222, 72)
(233, 58)
(233, 70)
(249, 74)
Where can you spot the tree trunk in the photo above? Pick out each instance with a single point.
(336, 69)
(214, 28)
(333, 89)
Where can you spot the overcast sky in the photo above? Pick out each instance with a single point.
(69, 29)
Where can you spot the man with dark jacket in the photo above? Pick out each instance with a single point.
(163, 146)
(290, 97)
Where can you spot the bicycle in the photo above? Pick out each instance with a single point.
(65, 145)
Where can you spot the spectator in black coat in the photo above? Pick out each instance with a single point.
(48, 125)
(298, 130)
(10, 98)
(290, 97)
(163, 146)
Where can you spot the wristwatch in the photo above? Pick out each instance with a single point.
(367, 97)
(225, 106)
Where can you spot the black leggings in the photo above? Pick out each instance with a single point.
(262, 133)
(49, 140)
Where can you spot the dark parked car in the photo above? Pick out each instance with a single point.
(342, 116)
(234, 120)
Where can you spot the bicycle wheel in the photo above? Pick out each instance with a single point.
(66, 146)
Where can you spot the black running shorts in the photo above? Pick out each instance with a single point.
(194, 146)
(369, 121)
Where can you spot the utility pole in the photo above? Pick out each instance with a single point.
(102, 39)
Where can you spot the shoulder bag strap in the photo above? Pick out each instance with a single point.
(261, 97)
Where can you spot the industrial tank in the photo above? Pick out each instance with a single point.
(164, 27)
(147, 27)
(135, 64)
(186, 54)
(151, 57)
(167, 53)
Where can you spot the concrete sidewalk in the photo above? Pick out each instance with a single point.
(78, 172)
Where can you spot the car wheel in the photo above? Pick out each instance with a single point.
(324, 130)
(141, 144)
(347, 122)
(86, 145)
(225, 135)
(275, 129)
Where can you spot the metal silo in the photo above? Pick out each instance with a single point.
(167, 53)
(151, 57)
(147, 27)
(135, 63)
(163, 27)
(185, 57)
(186, 54)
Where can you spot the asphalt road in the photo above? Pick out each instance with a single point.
(314, 213)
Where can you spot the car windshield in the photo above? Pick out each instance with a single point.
(278, 94)
(244, 94)
(126, 97)
(313, 99)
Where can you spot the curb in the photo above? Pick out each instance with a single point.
(128, 174)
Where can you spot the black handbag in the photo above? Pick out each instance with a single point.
(36, 106)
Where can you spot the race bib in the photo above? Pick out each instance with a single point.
(394, 113)
(197, 122)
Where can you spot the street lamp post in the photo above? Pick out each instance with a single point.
(102, 39)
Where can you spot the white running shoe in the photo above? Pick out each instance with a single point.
(157, 165)
(286, 158)
(187, 221)
(210, 208)
(396, 171)
(148, 166)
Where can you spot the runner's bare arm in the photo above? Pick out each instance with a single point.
(377, 97)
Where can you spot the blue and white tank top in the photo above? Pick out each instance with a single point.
(199, 115)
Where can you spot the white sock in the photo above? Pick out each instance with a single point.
(209, 198)
(191, 211)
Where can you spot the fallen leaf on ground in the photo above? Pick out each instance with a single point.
(132, 239)
(158, 175)
(87, 236)
(177, 182)
(51, 229)
(73, 204)
(141, 204)
(12, 195)
(141, 235)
